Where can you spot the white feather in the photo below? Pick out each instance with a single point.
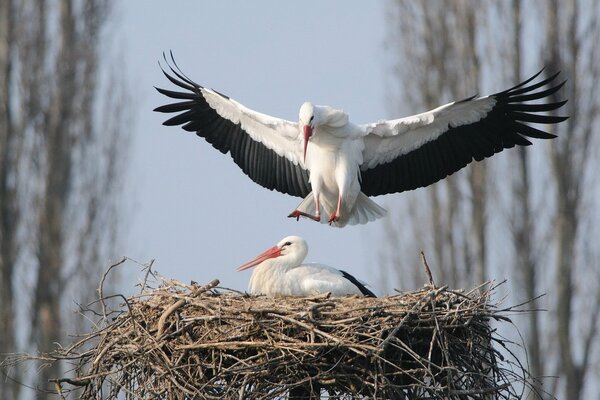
(285, 275)
(386, 140)
(280, 135)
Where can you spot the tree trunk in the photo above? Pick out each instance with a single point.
(569, 160)
(523, 231)
(59, 168)
(439, 55)
(9, 204)
(57, 182)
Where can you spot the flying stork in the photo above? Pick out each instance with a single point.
(335, 165)
(280, 272)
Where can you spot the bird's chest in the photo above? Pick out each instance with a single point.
(327, 153)
(323, 163)
(270, 280)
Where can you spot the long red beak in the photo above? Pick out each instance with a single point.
(273, 252)
(308, 131)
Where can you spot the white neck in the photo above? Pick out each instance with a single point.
(269, 277)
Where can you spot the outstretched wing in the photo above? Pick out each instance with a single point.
(266, 148)
(416, 151)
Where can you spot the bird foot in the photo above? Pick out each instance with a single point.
(297, 214)
(333, 218)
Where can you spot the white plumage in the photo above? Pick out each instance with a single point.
(279, 272)
(335, 164)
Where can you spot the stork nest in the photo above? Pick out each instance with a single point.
(181, 341)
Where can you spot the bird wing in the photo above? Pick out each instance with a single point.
(266, 148)
(416, 151)
(362, 286)
(318, 278)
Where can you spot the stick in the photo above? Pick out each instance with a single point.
(101, 286)
(427, 270)
(163, 318)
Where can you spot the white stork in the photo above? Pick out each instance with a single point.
(335, 165)
(280, 272)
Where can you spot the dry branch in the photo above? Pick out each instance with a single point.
(182, 341)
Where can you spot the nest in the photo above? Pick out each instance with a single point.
(181, 341)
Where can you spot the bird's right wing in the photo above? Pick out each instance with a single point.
(362, 286)
(416, 151)
(318, 279)
(266, 148)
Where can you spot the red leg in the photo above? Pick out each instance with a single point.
(333, 217)
(297, 214)
(317, 217)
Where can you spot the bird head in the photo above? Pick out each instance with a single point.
(308, 121)
(291, 249)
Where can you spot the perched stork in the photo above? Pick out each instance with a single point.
(280, 272)
(335, 165)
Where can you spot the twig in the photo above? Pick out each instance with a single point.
(429, 343)
(74, 382)
(148, 269)
(101, 286)
(431, 294)
(179, 303)
(427, 269)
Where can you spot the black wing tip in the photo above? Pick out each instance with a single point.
(363, 289)
(561, 118)
(561, 84)
(525, 82)
(173, 73)
(171, 123)
(549, 78)
(524, 86)
(161, 91)
(180, 79)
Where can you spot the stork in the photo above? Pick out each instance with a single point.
(280, 272)
(335, 165)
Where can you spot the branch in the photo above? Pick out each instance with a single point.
(101, 286)
(427, 269)
(591, 334)
(163, 318)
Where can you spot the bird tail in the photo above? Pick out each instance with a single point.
(364, 210)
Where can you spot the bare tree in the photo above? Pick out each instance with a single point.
(466, 79)
(523, 231)
(572, 30)
(9, 204)
(62, 145)
(562, 342)
(431, 34)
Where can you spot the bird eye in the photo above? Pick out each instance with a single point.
(311, 118)
(287, 244)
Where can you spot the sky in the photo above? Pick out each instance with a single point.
(191, 208)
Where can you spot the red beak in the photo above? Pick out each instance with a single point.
(308, 131)
(273, 252)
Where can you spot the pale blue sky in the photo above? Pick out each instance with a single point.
(194, 211)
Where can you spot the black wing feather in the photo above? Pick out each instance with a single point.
(260, 163)
(366, 292)
(503, 127)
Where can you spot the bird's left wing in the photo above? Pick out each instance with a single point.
(416, 151)
(362, 286)
(266, 148)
